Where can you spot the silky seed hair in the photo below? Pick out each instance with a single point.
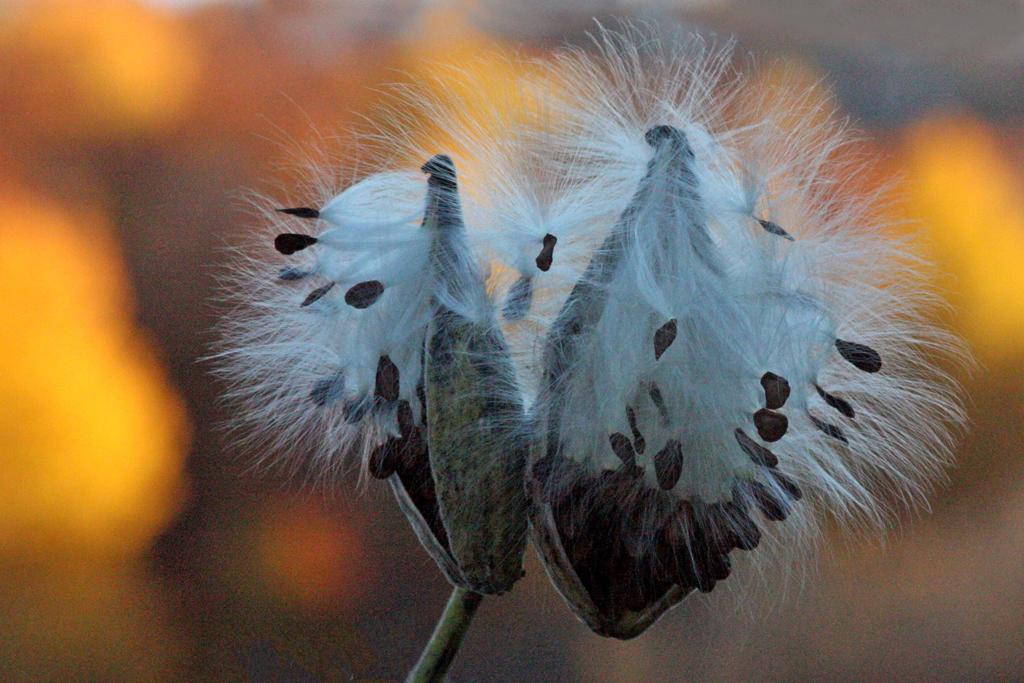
(749, 349)
(714, 341)
(323, 349)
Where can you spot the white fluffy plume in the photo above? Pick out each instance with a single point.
(710, 334)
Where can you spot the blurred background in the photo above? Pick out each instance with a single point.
(137, 544)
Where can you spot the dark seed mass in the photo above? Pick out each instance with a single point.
(387, 379)
(746, 533)
(771, 426)
(383, 460)
(829, 429)
(770, 505)
(547, 254)
(668, 464)
(776, 390)
(842, 405)
(405, 419)
(622, 448)
(301, 212)
(289, 242)
(364, 294)
(860, 356)
(787, 485)
(639, 443)
(316, 294)
(775, 229)
(289, 274)
(354, 410)
(663, 337)
(757, 453)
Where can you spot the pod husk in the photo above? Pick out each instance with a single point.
(477, 443)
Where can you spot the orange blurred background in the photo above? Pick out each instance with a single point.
(136, 543)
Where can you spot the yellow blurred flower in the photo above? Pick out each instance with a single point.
(93, 438)
(97, 69)
(965, 191)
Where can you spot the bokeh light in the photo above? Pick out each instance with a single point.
(961, 185)
(136, 543)
(93, 436)
(106, 69)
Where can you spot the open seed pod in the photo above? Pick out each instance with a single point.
(712, 381)
(461, 486)
(388, 356)
(620, 551)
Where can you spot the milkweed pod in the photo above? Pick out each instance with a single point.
(590, 527)
(474, 524)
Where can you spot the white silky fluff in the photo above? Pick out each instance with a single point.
(563, 155)
(276, 353)
(746, 301)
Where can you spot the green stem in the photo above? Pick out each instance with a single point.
(448, 634)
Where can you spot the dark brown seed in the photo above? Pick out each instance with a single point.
(354, 410)
(289, 242)
(787, 485)
(663, 338)
(546, 254)
(668, 464)
(770, 505)
(623, 448)
(776, 390)
(771, 426)
(383, 460)
(703, 559)
(301, 212)
(681, 550)
(721, 566)
(842, 405)
(542, 469)
(775, 229)
(316, 294)
(746, 532)
(517, 303)
(860, 356)
(758, 453)
(639, 443)
(364, 294)
(405, 419)
(328, 390)
(829, 429)
(632, 532)
(290, 274)
(740, 497)
(717, 520)
(387, 379)
(418, 482)
(659, 402)
(615, 487)
(414, 450)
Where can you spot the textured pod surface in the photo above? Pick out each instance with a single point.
(478, 473)
(476, 437)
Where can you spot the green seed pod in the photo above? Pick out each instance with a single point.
(474, 524)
